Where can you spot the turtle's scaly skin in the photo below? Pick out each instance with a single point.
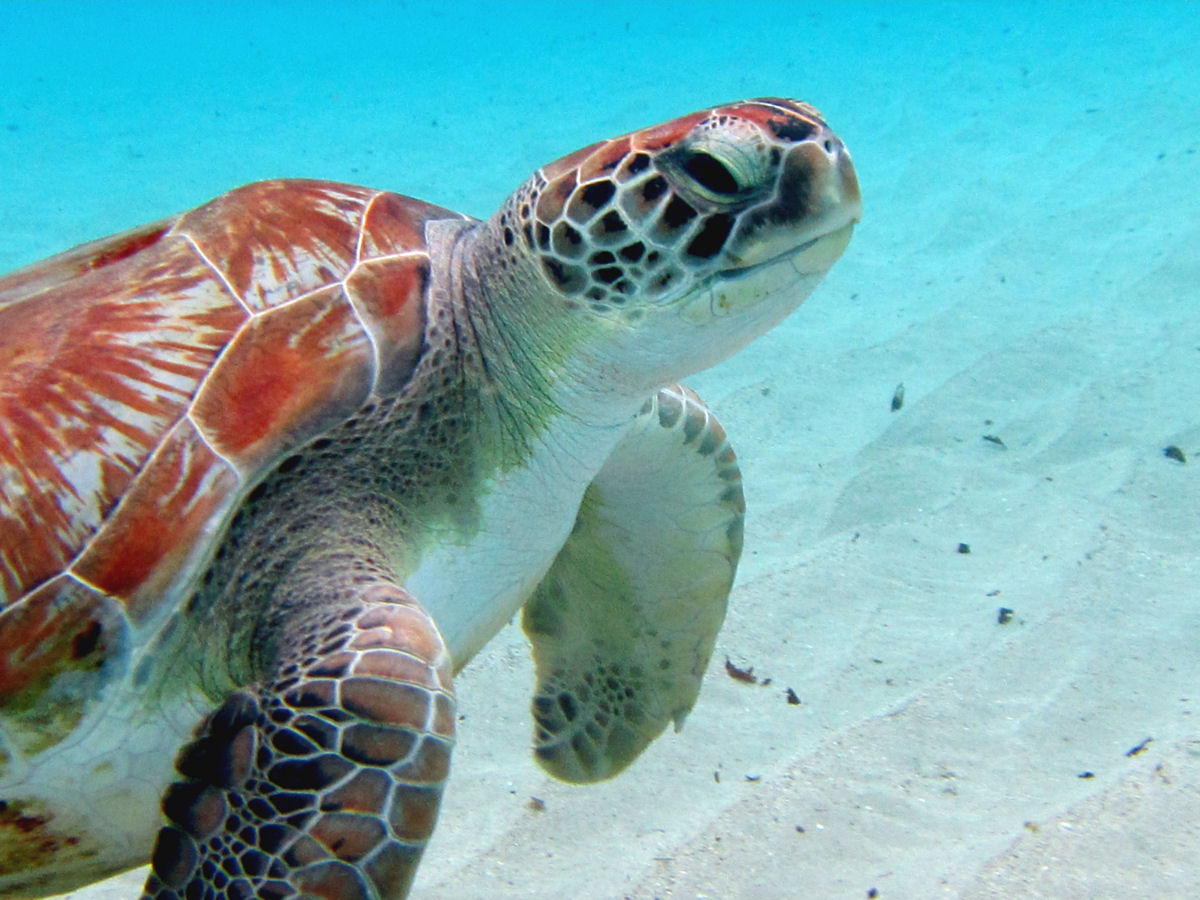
(272, 470)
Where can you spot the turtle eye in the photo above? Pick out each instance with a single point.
(711, 174)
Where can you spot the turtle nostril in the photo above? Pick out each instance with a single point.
(828, 146)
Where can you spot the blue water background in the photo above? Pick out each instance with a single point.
(1007, 115)
(116, 113)
(1030, 172)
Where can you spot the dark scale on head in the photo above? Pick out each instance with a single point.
(589, 199)
(792, 129)
(662, 281)
(567, 241)
(652, 189)
(677, 214)
(610, 228)
(635, 164)
(569, 279)
(653, 222)
(711, 238)
(633, 252)
(795, 190)
(607, 274)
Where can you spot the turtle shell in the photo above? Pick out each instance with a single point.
(148, 380)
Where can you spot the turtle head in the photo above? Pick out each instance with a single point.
(685, 241)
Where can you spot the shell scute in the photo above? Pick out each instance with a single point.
(390, 296)
(94, 369)
(160, 523)
(151, 376)
(62, 267)
(272, 241)
(396, 224)
(290, 374)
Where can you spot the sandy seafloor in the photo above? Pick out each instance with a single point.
(1028, 267)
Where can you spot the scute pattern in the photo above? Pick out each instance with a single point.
(264, 257)
(287, 376)
(648, 214)
(93, 373)
(147, 382)
(237, 439)
(324, 783)
(242, 314)
(145, 545)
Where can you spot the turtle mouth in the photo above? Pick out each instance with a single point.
(775, 285)
(748, 271)
(826, 248)
(811, 257)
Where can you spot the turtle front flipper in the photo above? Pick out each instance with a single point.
(625, 620)
(323, 780)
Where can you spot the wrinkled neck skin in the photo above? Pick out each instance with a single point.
(541, 365)
(545, 415)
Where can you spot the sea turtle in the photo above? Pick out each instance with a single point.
(274, 469)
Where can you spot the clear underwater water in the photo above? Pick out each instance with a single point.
(1030, 253)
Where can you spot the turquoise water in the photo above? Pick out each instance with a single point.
(1028, 266)
(117, 113)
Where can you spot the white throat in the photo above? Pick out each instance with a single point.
(474, 584)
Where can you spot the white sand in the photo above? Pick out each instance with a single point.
(1029, 267)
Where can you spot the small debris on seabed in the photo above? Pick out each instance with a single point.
(995, 439)
(873, 892)
(1004, 616)
(964, 548)
(898, 397)
(1134, 751)
(1173, 452)
(537, 804)
(1088, 774)
(746, 675)
(793, 698)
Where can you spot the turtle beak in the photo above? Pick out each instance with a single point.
(783, 247)
(817, 195)
(847, 181)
